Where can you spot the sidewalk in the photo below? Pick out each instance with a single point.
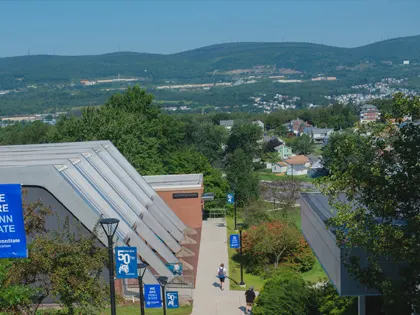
(208, 298)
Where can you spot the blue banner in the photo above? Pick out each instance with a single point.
(176, 269)
(234, 241)
(230, 198)
(126, 262)
(12, 227)
(152, 296)
(172, 300)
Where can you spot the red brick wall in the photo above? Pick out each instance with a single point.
(189, 210)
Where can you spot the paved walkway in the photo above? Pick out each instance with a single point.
(208, 298)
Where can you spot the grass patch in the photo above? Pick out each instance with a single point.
(135, 310)
(316, 273)
(274, 177)
(234, 271)
(132, 309)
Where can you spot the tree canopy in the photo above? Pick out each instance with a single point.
(377, 170)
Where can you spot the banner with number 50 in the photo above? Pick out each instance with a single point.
(126, 262)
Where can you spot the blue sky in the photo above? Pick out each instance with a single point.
(93, 27)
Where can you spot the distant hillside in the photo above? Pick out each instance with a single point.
(202, 62)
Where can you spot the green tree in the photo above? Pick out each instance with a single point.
(14, 298)
(330, 303)
(24, 133)
(255, 213)
(282, 130)
(405, 106)
(70, 265)
(209, 140)
(271, 241)
(345, 148)
(245, 136)
(302, 144)
(378, 172)
(285, 294)
(241, 177)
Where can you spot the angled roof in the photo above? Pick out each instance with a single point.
(81, 199)
(101, 153)
(281, 163)
(145, 224)
(297, 159)
(91, 180)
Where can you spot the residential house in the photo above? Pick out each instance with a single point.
(369, 113)
(284, 151)
(299, 160)
(297, 126)
(259, 123)
(279, 167)
(228, 124)
(318, 135)
(296, 170)
(297, 165)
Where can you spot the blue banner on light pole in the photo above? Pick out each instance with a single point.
(126, 262)
(12, 226)
(230, 198)
(152, 296)
(172, 300)
(234, 241)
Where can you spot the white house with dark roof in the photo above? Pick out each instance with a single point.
(318, 135)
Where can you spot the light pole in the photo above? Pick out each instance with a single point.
(141, 268)
(163, 281)
(110, 227)
(234, 205)
(241, 226)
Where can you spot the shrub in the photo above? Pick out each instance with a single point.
(277, 244)
(330, 303)
(302, 259)
(285, 294)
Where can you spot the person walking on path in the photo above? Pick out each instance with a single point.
(221, 274)
(249, 298)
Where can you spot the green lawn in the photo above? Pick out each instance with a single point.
(315, 274)
(274, 177)
(234, 271)
(135, 310)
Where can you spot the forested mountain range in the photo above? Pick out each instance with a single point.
(202, 63)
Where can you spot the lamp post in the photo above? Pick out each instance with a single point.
(141, 268)
(163, 281)
(110, 227)
(234, 204)
(241, 227)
